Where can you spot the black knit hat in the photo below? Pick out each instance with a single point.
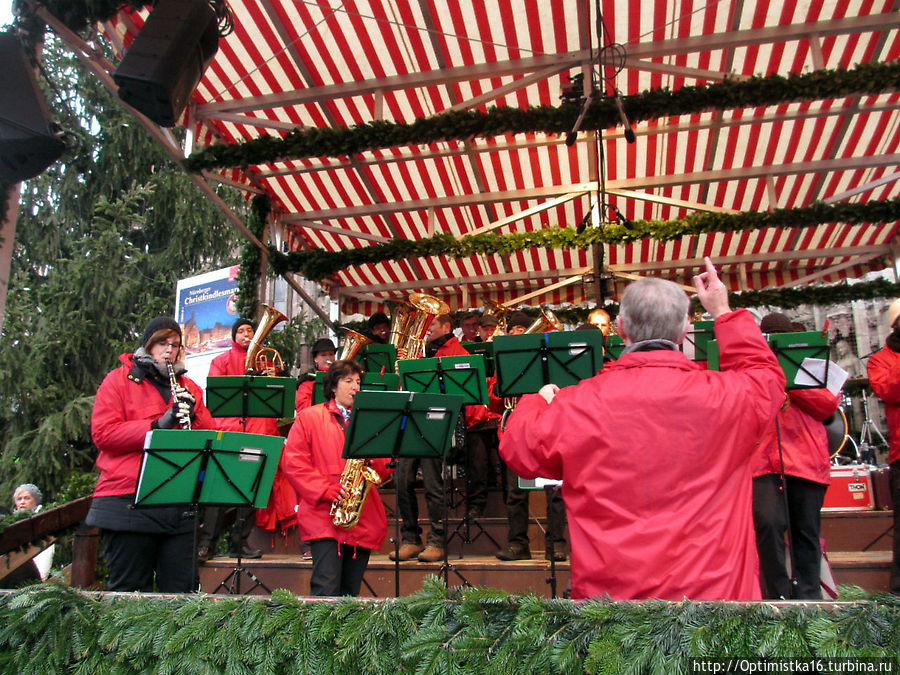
(377, 318)
(518, 319)
(323, 345)
(238, 323)
(776, 322)
(158, 324)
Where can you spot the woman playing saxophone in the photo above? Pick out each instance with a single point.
(313, 464)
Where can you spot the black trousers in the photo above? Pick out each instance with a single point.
(338, 569)
(405, 477)
(804, 498)
(217, 518)
(895, 496)
(517, 516)
(133, 558)
(481, 471)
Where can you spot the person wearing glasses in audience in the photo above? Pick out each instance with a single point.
(152, 544)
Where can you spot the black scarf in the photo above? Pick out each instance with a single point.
(432, 347)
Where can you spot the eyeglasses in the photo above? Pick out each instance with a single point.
(170, 345)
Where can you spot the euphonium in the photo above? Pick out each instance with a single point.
(357, 479)
(545, 322)
(265, 359)
(353, 343)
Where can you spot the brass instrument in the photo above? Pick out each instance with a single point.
(357, 479)
(265, 359)
(547, 321)
(353, 343)
(174, 386)
(411, 321)
(499, 311)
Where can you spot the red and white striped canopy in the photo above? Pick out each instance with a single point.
(335, 63)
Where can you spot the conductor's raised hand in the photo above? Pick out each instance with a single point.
(711, 291)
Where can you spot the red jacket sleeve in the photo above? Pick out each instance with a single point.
(883, 377)
(300, 465)
(819, 404)
(111, 431)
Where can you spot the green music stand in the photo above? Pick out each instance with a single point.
(455, 375)
(486, 349)
(211, 468)
(613, 347)
(792, 350)
(377, 358)
(369, 382)
(525, 363)
(699, 335)
(394, 424)
(250, 396)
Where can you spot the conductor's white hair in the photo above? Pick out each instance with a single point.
(654, 309)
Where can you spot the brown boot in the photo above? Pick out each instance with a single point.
(407, 552)
(431, 554)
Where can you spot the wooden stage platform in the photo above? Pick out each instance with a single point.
(858, 546)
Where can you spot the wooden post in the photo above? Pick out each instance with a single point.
(84, 557)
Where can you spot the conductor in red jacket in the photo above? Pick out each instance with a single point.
(132, 400)
(797, 448)
(884, 378)
(313, 464)
(654, 453)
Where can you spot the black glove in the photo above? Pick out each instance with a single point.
(169, 419)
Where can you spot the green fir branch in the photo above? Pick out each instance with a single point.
(757, 91)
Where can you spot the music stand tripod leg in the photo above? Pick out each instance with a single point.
(446, 567)
(232, 583)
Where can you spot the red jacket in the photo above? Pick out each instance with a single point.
(804, 442)
(233, 362)
(305, 391)
(654, 454)
(474, 413)
(313, 464)
(124, 408)
(884, 378)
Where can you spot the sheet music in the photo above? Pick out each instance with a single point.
(812, 372)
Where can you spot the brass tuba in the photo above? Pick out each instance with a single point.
(547, 321)
(411, 321)
(265, 359)
(499, 311)
(353, 343)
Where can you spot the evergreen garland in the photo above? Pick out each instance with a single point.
(757, 91)
(317, 264)
(251, 256)
(48, 628)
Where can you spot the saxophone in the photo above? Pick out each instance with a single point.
(357, 479)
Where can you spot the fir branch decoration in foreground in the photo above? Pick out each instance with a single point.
(865, 78)
(317, 264)
(52, 629)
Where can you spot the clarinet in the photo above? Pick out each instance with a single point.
(173, 384)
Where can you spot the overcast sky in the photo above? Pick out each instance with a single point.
(5, 12)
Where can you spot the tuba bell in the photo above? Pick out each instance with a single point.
(265, 359)
(547, 321)
(353, 343)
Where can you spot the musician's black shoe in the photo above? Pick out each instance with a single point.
(514, 553)
(202, 554)
(558, 556)
(246, 552)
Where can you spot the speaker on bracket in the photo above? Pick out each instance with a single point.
(29, 140)
(161, 69)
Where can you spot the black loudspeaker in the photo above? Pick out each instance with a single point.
(165, 62)
(29, 140)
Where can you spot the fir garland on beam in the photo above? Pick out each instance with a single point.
(757, 91)
(317, 264)
(248, 277)
(53, 629)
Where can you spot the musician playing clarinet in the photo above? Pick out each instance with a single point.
(791, 472)
(147, 391)
(654, 453)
